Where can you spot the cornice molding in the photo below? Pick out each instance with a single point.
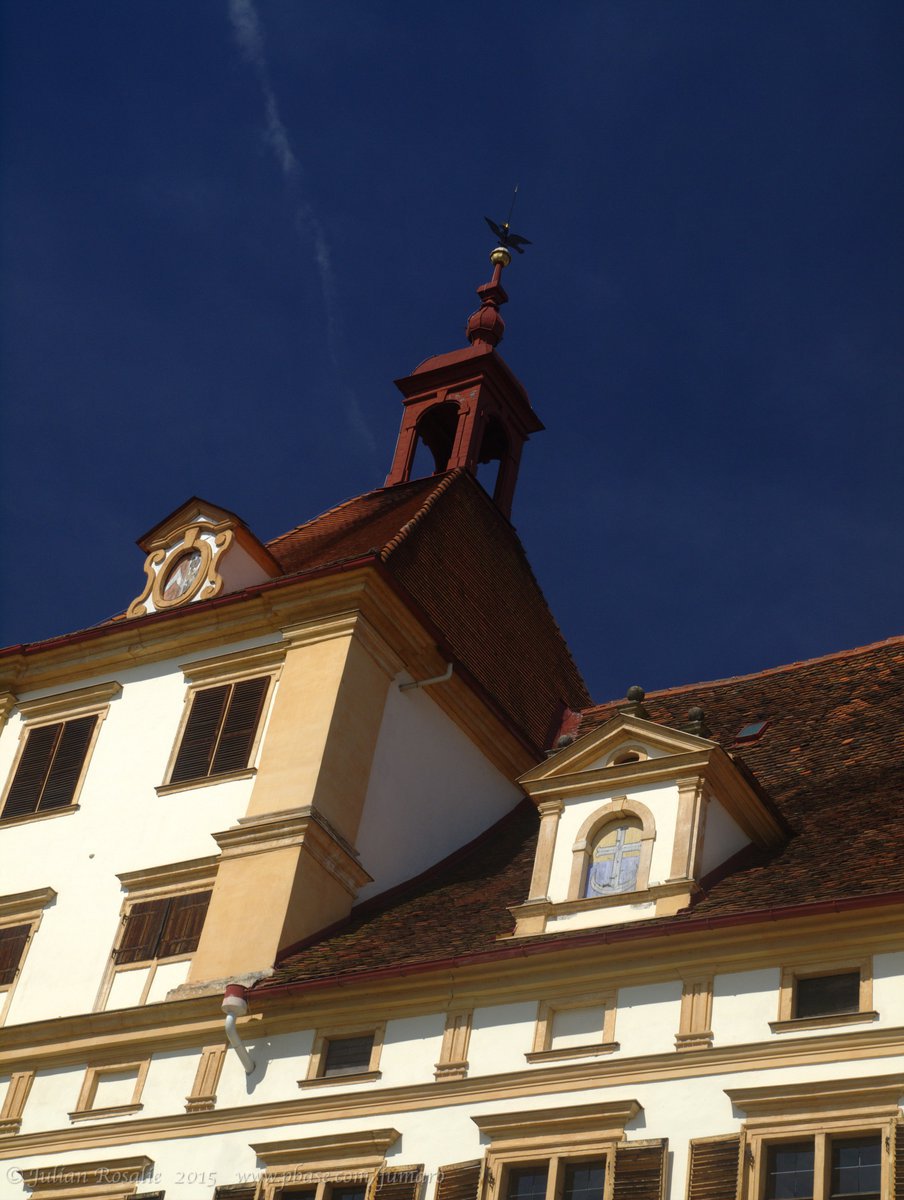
(26, 906)
(875, 1096)
(70, 704)
(525, 1130)
(367, 1147)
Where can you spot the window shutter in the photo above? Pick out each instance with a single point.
(235, 1191)
(898, 1164)
(67, 764)
(25, 790)
(12, 943)
(715, 1168)
(460, 1181)
(401, 1183)
(184, 921)
(142, 931)
(199, 738)
(640, 1170)
(240, 726)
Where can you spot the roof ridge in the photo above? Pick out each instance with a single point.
(793, 666)
(337, 508)
(443, 486)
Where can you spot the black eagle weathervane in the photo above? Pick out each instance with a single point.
(511, 241)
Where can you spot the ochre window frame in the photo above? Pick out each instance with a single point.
(258, 663)
(543, 1050)
(23, 908)
(61, 708)
(557, 1138)
(111, 1179)
(322, 1038)
(84, 1106)
(788, 1023)
(154, 883)
(787, 1113)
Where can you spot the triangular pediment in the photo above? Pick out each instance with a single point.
(625, 732)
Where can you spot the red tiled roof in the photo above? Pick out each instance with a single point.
(832, 758)
(460, 560)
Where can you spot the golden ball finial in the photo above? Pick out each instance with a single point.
(500, 257)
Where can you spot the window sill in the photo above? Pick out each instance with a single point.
(116, 1110)
(338, 1080)
(534, 1056)
(167, 789)
(795, 1024)
(5, 822)
(10, 1126)
(694, 1041)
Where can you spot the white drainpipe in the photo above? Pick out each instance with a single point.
(447, 674)
(235, 1005)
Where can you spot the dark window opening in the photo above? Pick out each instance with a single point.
(50, 767)
(12, 947)
(856, 1168)
(584, 1181)
(527, 1183)
(349, 1055)
(220, 730)
(789, 1171)
(493, 451)
(162, 928)
(752, 732)
(435, 434)
(827, 995)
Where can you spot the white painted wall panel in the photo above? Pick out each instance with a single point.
(744, 1002)
(501, 1035)
(646, 1018)
(430, 792)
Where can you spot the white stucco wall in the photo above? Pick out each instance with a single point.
(744, 1002)
(660, 799)
(430, 792)
(722, 837)
(679, 1109)
(121, 825)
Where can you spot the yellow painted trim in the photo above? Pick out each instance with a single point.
(110, 1179)
(453, 1055)
(84, 1105)
(14, 1101)
(695, 1019)
(23, 908)
(544, 1031)
(507, 1088)
(203, 1094)
(322, 1039)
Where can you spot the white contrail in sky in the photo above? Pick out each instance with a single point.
(246, 28)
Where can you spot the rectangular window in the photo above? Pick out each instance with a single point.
(162, 928)
(349, 1055)
(825, 995)
(13, 940)
(345, 1053)
(220, 731)
(789, 1171)
(856, 1168)
(853, 1164)
(557, 1179)
(49, 767)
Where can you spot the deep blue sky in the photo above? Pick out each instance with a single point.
(708, 322)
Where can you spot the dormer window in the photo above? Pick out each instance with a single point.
(614, 860)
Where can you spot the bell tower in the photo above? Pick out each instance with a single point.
(466, 407)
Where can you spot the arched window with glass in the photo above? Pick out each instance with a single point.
(614, 859)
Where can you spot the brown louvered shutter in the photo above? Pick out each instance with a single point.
(460, 1181)
(239, 726)
(640, 1170)
(715, 1167)
(142, 931)
(12, 943)
(235, 1191)
(25, 790)
(401, 1183)
(898, 1164)
(184, 921)
(200, 736)
(67, 763)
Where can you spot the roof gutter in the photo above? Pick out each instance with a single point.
(530, 949)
